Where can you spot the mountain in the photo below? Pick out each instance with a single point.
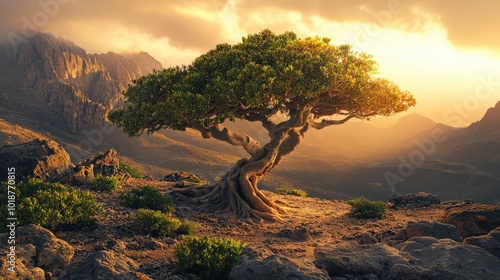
(56, 81)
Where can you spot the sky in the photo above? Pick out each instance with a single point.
(447, 52)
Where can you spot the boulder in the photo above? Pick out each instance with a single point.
(445, 259)
(104, 265)
(413, 200)
(40, 158)
(417, 258)
(251, 265)
(489, 242)
(372, 261)
(37, 251)
(434, 229)
(473, 219)
(105, 164)
(51, 252)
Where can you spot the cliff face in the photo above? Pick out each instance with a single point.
(57, 81)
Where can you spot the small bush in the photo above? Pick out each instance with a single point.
(156, 223)
(105, 183)
(188, 227)
(132, 171)
(49, 205)
(365, 209)
(149, 198)
(295, 192)
(208, 257)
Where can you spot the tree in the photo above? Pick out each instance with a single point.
(303, 80)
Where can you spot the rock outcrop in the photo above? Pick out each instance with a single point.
(413, 200)
(43, 159)
(66, 86)
(251, 267)
(434, 229)
(490, 242)
(38, 252)
(415, 259)
(473, 219)
(104, 164)
(104, 265)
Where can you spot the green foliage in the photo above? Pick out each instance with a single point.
(105, 183)
(133, 171)
(147, 197)
(188, 227)
(156, 223)
(295, 192)
(208, 257)
(261, 76)
(50, 205)
(365, 209)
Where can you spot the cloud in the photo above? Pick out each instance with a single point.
(163, 19)
(468, 23)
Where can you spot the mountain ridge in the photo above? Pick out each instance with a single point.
(56, 75)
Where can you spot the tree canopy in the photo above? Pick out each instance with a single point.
(313, 83)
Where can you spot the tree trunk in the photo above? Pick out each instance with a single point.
(237, 193)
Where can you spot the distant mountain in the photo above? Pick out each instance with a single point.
(56, 81)
(488, 128)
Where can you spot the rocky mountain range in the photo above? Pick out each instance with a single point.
(52, 79)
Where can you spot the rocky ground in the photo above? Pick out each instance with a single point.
(419, 238)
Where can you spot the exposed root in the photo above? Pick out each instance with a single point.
(228, 195)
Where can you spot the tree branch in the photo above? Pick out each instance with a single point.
(234, 138)
(325, 123)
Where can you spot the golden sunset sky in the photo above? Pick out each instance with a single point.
(447, 53)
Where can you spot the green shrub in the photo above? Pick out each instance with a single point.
(208, 257)
(105, 183)
(134, 172)
(188, 227)
(147, 197)
(295, 192)
(365, 209)
(156, 223)
(49, 205)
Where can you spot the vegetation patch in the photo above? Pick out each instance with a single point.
(366, 209)
(49, 205)
(149, 198)
(295, 192)
(156, 223)
(188, 228)
(105, 183)
(131, 170)
(208, 257)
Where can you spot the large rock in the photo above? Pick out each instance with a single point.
(473, 219)
(37, 250)
(51, 252)
(105, 265)
(40, 158)
(252, 266)
(104, 163)
(489, 242)
(372, 261)
(445, 259)
(413, 200)
(418, 258)
(434, 229)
